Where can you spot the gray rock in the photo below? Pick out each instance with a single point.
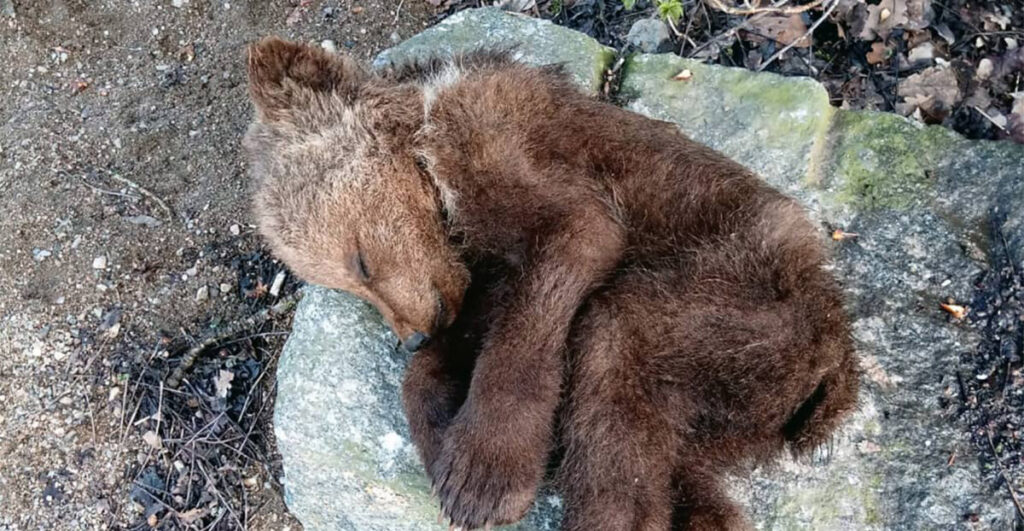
(538, 42)
(349, 461)
(920, 198)
(650, 35)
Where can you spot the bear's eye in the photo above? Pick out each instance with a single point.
(421, 163)
(359, 265)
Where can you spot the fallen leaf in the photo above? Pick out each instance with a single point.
(685, 75)
(879, 20)
(223, 383)
(517, 6)
(922, 55)
(955, 310)
(840, 235)
(192, 515)
(152, 439)
(1015, 124)
(878, 54)
(784, 30)
(933, 91)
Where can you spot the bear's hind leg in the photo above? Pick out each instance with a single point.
(703, 505)
(620, 448)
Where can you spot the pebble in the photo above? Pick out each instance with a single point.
(225, 287)
(179, 3)
(275, 287)
(100, 262)
(202, 294)
(650, 35)
(40, 254)
(235, 229)
(328, 46)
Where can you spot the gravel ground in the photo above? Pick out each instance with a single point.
(124, 208)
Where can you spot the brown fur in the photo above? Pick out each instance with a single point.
(594, 281)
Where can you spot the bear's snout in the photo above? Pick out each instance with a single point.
(415, 341)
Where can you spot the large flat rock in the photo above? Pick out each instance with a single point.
(922, 199)
(533, 41)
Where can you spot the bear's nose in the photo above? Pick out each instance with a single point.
(415, 341)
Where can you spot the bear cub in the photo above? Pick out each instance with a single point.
(576, 280)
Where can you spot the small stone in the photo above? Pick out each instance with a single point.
(235, 229)
(179, 3)
(985, 68)
(275, 287)
(202, 294)
(329, 47)
(650, 36)
(100, 262)
(225, 287)
(40, 254)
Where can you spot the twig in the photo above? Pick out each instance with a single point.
(776, 55)
(1006, 479)
(216, 492)
(145, 192)
(99, 190)
(398, 11)
(257, 319)
(775, 9)
(92, 420)
(989, 118)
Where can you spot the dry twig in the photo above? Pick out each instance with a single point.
(776, 55)
(253, 321)
(777, 9)
(1006, 478)
(136, 186)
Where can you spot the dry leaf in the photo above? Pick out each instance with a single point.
(1015, 124)
(882, 18)
(878, 54)
(685, 75)
(840, 235)
(152, 439)
(955, 310)
(933, 91)
(517, 6)
(784, 30)
(223, 383)
(192, 515)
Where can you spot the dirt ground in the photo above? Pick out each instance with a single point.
(124, 214)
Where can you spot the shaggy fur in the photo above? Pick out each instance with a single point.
(593, 282)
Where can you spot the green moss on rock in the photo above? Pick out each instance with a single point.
(885, 161)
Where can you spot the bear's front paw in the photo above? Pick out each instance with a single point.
(482, 479)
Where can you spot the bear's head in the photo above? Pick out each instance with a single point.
(340, 192)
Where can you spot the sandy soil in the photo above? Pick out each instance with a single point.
(96, 274)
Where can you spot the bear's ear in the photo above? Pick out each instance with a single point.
(286, 75)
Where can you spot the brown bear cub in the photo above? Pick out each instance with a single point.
(576, 280)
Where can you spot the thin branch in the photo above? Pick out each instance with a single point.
(145, 192)
(1006, 479)
(775, 9)
(776, 55)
